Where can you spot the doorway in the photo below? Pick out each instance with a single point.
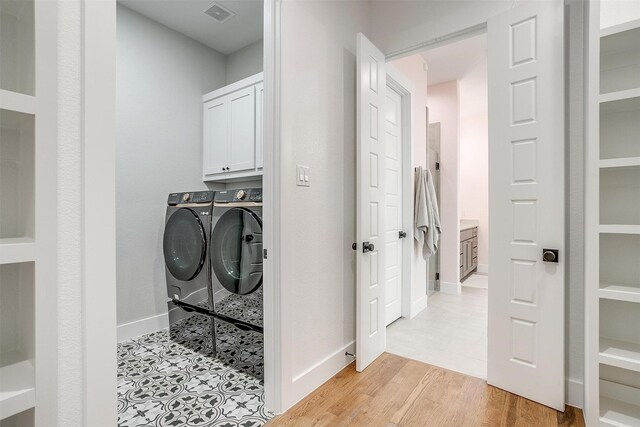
(525, 299)
(451, 331)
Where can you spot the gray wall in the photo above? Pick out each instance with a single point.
(244, 62)
(161, 76)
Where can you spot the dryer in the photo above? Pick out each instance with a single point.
(236, 256)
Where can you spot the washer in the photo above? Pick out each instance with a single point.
(236, 257)
(185, 245)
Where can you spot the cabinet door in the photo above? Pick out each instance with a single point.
(242, 123)
(259, 123)
(215, 136)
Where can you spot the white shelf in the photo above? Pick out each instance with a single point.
(18, 102)
(14, 250)
(619, 292)
(617, 413)
(620, 28)
(619, 229)
(619, 95)
(624, 162)
(620, 354)
(619, 404)
(17, 391)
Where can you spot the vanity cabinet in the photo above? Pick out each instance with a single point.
(468, 251)
(232, 134)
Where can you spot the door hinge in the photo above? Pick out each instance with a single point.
(265, 254)
(437, 166)
(437, 276)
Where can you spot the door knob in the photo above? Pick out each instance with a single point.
(401, 234)
(367, 247)
(354, 246)
(550, 255)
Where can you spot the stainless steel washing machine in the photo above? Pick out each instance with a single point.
(236, 256)
(185, 245)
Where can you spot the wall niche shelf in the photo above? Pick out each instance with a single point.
(28, 176)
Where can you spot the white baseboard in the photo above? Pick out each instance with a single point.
(417, 306)
(450, 288)
(575, 392)
(312, 378)
(141, 327)
(483, 268)
(137, 328)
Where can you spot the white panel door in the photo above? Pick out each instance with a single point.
(370, 306)
(526, 201)
(259, 123)
(242, 133)
(216, 146)
(393, 205)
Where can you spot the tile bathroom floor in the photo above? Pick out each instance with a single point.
(177, 382)
(450, 333)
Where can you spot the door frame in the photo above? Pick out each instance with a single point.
(98, 21)
(461, 35)
(398, 83)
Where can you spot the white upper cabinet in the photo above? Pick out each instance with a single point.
(242, 125)
(232, 134)
(216, 130)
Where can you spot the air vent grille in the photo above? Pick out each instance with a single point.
(219, 12)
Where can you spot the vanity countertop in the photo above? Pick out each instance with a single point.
(466, 224)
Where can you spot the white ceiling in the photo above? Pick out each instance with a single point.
(453, 61)
(188, 17)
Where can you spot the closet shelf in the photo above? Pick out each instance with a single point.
(17, 391)
(620, 28)
(624, 162)
(619, 404)
(21, 249)
(619, 292)
(619, 95)
(619, 229)
(620, 354)
(14, 101)
(618, 413)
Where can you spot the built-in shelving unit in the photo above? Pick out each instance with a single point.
(612, 377)
(26, 162)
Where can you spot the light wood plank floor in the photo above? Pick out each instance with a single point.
(395, 391)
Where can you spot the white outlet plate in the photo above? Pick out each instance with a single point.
(302, 176)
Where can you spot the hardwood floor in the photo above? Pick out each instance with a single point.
(395, 391)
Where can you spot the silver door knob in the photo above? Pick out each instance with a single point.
(550, 255)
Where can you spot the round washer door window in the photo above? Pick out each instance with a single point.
(184, 244)
(236, 251)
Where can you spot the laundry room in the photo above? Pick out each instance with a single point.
(189, 212)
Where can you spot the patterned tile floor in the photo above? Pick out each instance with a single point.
(176, 382)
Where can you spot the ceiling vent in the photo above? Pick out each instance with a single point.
(219, 12)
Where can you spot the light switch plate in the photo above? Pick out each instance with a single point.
(302, 176)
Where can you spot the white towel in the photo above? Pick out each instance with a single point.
(426, 215)
(434, 231)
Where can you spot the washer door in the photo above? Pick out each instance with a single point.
(184, 244)
(236, 251)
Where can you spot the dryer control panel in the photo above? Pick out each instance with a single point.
(239, 196)
(190, 198)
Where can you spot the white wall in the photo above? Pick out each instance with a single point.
(443, 108)
(161, 76)
(412, 68)
(318, 130)
(474, 155)
(399, 25)
(70, 395)
(244, 62)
